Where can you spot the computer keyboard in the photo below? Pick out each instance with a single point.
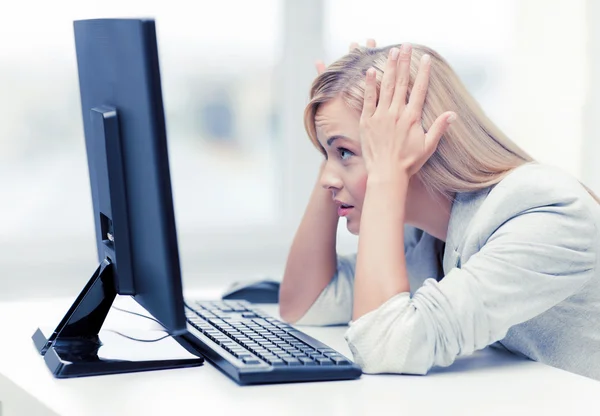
(253, 348)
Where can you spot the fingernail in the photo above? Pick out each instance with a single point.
(371, 72)
(394, 53)
(425, 59)
(405, 47)
(452, 118)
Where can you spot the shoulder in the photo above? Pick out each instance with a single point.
(538, 185)
(538, 199)
(539, 181)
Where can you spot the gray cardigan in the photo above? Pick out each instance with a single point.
(518, 270)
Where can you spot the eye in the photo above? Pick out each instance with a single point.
(344, 153)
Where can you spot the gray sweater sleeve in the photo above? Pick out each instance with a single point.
(532, 262)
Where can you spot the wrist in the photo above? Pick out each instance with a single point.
(395, 177)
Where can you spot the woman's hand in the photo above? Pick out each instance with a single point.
(320, 65)
(393, 141)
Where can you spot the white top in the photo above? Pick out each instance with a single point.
(518, 270)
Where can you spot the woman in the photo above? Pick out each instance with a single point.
(464, 240)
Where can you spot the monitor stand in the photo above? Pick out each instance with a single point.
(72, 349)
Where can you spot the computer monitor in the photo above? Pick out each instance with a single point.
(136, 239)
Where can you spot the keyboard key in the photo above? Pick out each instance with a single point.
(243, 355)
(306, 361)
(308, 339)
(251, 361)
(340, 360)
(324, 361)
(292, 361)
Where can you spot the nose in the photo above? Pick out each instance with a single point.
(330, 179)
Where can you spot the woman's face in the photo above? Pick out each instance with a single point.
(344, 173)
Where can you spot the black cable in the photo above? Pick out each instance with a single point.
(143, 316)
(138, 314)
(139, 339)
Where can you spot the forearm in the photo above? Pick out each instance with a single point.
(311, 263)
(381, 263)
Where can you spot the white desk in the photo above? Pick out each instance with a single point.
(487, 383)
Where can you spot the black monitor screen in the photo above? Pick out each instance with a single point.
(118, 69)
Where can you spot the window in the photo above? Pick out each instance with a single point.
(221, 79)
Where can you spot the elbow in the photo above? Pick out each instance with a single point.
(388, 341)
(287, 315)
(372, 362)
(288, 312)
(378, 361)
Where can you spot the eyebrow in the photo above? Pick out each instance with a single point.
(334, 138)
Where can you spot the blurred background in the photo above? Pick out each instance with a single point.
(235, 78)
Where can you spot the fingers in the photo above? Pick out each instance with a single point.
(320, 66)
(370, 97)
(389, 80)
(402, 78)
(437, 130)
(354, 45)
(419, 90)
(370, 44)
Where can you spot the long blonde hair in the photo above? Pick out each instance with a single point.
(473, 154)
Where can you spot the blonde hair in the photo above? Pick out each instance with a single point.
(473, 154)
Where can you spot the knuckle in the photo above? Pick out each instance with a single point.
(414, 116)
(421, 88)
(403, 81)
(388, 87)
(378, 116)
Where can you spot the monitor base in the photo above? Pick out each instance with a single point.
(81, 358)
(72, 349)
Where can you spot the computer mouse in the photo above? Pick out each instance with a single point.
(259, 291)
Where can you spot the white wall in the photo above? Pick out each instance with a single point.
(549, 80)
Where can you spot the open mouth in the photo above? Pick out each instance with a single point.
(344, 209)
